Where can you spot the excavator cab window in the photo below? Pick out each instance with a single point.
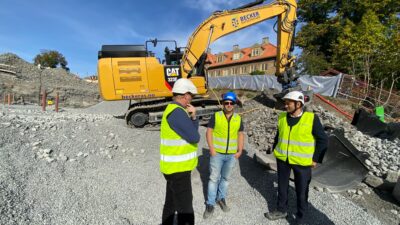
(173, 57)
(198, 69)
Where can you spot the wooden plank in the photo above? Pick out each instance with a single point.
(5, 65)
(8, 71)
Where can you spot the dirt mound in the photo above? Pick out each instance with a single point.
(28, 79)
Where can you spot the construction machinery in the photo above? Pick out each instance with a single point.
(132, 72)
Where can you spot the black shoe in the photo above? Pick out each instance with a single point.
(223, 205)
(275, 215)
(208, 212)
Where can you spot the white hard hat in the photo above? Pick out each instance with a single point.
(295, 96)
(183, 86)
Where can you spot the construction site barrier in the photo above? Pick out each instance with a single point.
(327, 86)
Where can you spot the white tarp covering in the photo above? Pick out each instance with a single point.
(326, 86)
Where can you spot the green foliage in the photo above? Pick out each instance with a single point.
(312, 64)
(257, 72)
(51, 58)
(359, 45)
(359, 37)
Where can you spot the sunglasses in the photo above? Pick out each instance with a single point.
(229, 103)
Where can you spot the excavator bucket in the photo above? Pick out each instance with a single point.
(343, 166)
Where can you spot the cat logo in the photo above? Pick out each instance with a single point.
(235, 22)
(172, 72)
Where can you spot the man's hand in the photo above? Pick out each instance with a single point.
(238, 154)
(314, 165)
(191, 110)
(213, 152)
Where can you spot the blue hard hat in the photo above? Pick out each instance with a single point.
(229, 96)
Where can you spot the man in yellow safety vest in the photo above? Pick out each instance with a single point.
(225, 139)
(178, 153)
(300, 144)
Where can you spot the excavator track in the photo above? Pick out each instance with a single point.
(150, 112)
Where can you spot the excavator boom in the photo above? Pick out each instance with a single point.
(226, 22)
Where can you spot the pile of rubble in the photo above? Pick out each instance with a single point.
(28, 79)
(383, 161)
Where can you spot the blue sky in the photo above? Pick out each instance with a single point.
(77, 29)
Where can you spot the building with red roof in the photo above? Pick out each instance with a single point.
(259, 57)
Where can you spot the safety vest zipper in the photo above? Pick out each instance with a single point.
(229, 127)
(287, 150)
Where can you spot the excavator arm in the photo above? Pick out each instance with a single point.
(226, 22)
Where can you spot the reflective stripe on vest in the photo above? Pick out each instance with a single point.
(225, 133)
(285, 152)
(296, 144)
(168, 142)
(176, 154)
(178, 158)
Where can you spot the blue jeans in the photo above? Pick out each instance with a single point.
(221, 167)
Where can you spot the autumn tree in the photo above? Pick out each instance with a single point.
(51, 58)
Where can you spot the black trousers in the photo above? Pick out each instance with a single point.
(178, 199)
(302, 178)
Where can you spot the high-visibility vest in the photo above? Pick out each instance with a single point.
(225, 133)
(297, 144)
(176, 154)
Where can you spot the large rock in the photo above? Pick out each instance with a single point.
(373, 181)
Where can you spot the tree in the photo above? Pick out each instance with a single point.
(361, 45)
(51, 58)
(359, 37)
(257, 72)
(310, 63)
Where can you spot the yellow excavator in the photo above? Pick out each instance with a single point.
(132, 72)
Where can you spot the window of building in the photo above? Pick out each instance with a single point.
(235, 70)
(220, 58)
(244, 69)
(264, 67)
(236, 56)
(225, 72)
(255, 52)
(253, 68)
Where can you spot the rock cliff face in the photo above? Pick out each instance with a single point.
(23, 80)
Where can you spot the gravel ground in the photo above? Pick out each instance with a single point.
(86, 167)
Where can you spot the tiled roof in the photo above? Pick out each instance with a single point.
(268, 51)
(330, 72)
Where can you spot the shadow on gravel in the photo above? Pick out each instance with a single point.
(203, 168)
(256, 176)
(267, 99)
(263, 181)
(119, 117)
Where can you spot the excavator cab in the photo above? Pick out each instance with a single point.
(173, 57)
